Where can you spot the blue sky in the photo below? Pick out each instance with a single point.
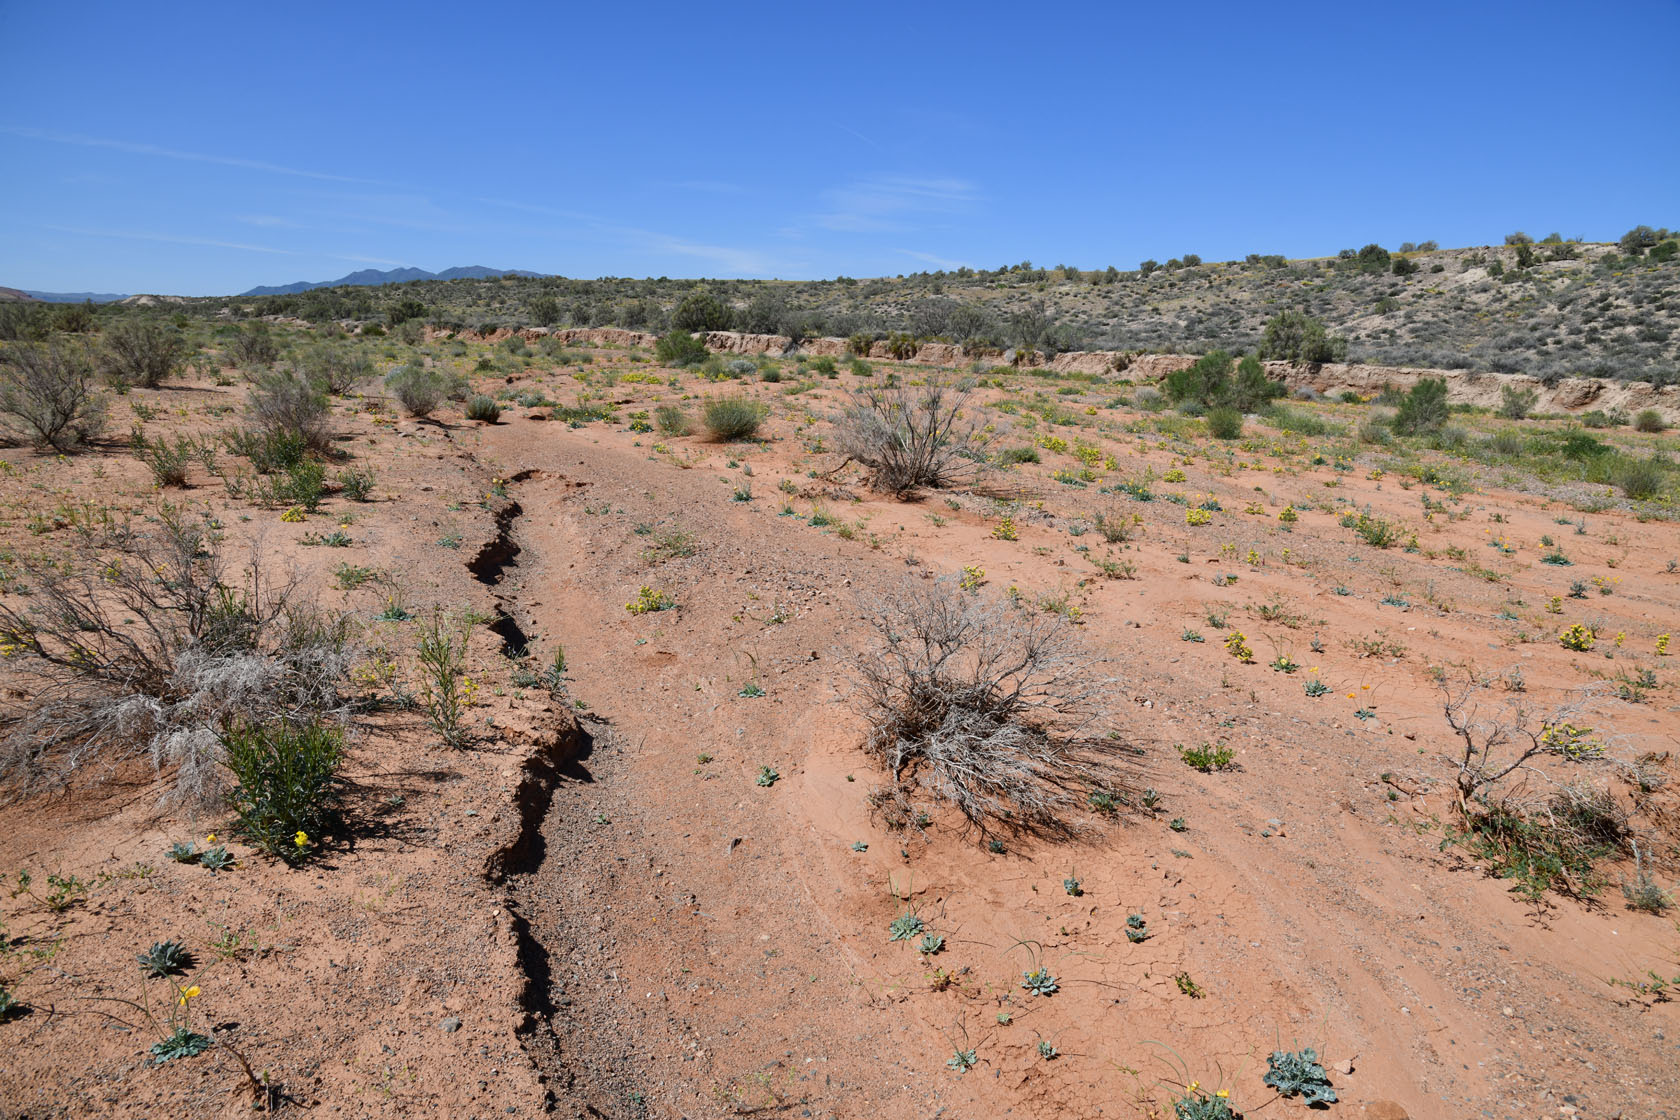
(203, 149)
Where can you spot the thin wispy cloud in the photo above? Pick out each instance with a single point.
(739, 261)
(886, 203)
(705, 186)
(929, 258)
(213, 243)
(133, 148)
(735, 260)
(173, 239)
(854, 132)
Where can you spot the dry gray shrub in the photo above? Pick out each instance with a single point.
(987, 706)
(912, 436)
(50, 394)
(140, 646)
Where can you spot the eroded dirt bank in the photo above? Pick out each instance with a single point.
(718, 945)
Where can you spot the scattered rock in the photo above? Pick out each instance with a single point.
(450, 1025)
(1386, 1110)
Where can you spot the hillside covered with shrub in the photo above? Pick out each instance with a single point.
(1552, 308)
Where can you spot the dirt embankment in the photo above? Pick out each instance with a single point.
(1571, 394)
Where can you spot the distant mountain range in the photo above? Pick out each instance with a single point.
(372, 278)
(74, 297)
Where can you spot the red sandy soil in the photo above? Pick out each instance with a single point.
(613, 927)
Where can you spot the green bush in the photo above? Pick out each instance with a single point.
(1641, 478)
(357, 483)
(1649, 420)
(143, 353)
(1638, 239)
(1252, 388)
(1424, 409)
(269, 451)
(442, 655)
(288, 790)
(1225, 423)
(481, 407)
(167, 461)
(680, 348)
(420, 390)
(1201, 384)
(701, 311)
(1516, 404)
(1296, 337)
(733, 417)
(672, 420)
(253, 345)
(290, 407)
(303, 485)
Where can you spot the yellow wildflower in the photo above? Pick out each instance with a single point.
(301, 839)
(188, 993)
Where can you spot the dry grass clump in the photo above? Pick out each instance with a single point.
(985, 706)
(142, 647)
(729, 418)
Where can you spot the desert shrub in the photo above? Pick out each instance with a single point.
(481, 407)
(253, 345)
(442, 654)
(287, 790)
(1018, 455)
(405, 310)
(911, 436)
(1638, 239)
(858, 345)
(269, 451)
(1516, 404)
(728, 418)
(50, 394)
(144, 647)
(1640, 478)
(337, 368)
(1252, 388)
(141, 352)
(1296, 337)
(902, 345)
(986, 706)
(1201, 384)
(356, 483)
(1424, 409)
(1507, 442)
(1295, 420)
(1550, 845)
(1649, 420)
(284, 404)
(1225, 423)
(168, 460)
(701, 311)
(419, 390)
(680, 348)
(672, 420)
(303, 484)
